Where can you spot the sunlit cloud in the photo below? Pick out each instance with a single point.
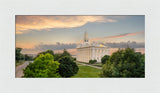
(26, 23)
(117, 36)
(25, 45)
(57, 48)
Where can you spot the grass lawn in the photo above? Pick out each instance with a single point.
(97, 64)
(87, 72)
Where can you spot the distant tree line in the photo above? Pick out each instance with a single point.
(20, 56)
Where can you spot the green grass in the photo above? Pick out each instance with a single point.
(87, 72)
(82, 62)
(98, 65)
(95, 64)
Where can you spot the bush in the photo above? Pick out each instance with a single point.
(74, 59)
(124, 63)
(95, 61)
(43, 66)
(104, 59)
(92, 61)
(67, 67)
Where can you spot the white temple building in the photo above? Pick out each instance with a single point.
(90, 51)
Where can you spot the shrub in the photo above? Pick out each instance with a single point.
(92, 61)
(43, 66)
(104, 59)
(67, 67)
(74, 59)
(124, 63)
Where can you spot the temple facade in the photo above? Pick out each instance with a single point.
(90, 51)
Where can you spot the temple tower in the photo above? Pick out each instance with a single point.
(86, 39)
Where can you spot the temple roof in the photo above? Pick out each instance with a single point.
(86, 43)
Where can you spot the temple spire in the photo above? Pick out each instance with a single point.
(86, 37)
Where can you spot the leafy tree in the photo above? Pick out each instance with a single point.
(65, 53)
(57, 56)
(43, 66)
(49, 51)
(18, 54)
(104, 59)
(60, 55)
(67, 67)
(124, 63)
(45, 52)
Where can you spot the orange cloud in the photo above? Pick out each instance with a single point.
(25, 45)
(25, 23)
(117, 36)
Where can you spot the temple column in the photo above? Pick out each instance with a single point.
(98, 55)
(92, 53)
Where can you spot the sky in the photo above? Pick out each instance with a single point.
(35, 31)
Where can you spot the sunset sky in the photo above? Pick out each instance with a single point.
(33, 31)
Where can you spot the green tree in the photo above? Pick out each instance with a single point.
(65, 53)
(60, 55)
(57, 56)
(104, 59)
(43, 66)
(45, 52)
(67, 67)
(18, 54)
(124, 63)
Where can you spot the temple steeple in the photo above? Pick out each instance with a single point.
(86, 37)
